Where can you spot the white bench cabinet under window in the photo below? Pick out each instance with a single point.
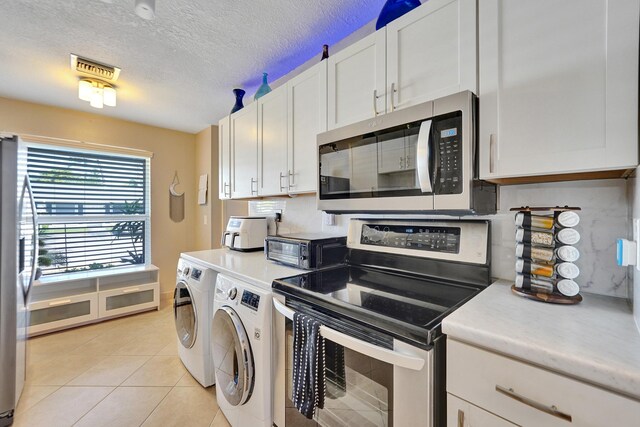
(63, 312)
(558, 86)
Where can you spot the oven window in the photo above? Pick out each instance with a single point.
(359, 392)
(374, 165)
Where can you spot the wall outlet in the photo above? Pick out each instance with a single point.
(329, 219)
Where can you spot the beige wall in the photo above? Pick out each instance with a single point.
(208, 225)
(173, 151)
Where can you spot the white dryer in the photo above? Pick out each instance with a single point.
(241, 345)
(192, 309)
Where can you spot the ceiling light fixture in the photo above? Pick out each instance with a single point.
(146, 9)
(97, 93)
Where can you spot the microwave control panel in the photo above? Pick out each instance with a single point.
(447, 134)
(425, 238)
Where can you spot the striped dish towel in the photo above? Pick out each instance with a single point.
(308, 365)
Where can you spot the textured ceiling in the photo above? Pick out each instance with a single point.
(177, 70)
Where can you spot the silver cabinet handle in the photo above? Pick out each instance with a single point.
(393, 91)
(492, 153)
(551, 410)
(400, 165)
(375, 102)
(291, 183)
(224, 189)
(282, 187)
(460, 418)
(252, 190)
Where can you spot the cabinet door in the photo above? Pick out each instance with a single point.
(558, 86)
(461, 413)
(307, 118)
(244, 143)
(356, 76)
(272, 143)
(431, 52)
(224, 167)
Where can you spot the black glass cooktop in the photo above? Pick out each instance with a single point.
(408, 307)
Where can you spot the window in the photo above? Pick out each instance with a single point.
(93, 209)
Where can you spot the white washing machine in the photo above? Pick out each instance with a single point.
(192, 309)
(241, 345)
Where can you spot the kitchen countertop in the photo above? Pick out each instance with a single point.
(595, 341)
(251, 267)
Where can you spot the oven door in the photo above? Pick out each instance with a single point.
(374, 386)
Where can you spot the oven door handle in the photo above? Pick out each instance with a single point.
(393, 357)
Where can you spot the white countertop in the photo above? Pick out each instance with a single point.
(251, 267)
(595, 341)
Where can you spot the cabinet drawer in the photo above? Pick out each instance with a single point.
(59, 313)
(127, 300)
(461, 413)
(526, 395)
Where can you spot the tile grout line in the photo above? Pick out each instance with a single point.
(94, 406)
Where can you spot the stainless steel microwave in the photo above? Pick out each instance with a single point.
(419, 159)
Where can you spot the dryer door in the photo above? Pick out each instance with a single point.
(184, 310)
(232, 357)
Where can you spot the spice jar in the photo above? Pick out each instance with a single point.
(567, 253)
(538, 285)
(528, 267)
(527, 220)
(568, 287)
(567, 270)
(568, 236)
(567, 219)
(539, 253)
(524, 235)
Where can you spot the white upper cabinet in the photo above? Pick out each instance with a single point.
(224, 156)
(244, 143)
(356, 78)
(307, 94)
(272, 143)
(431, 52)
(558, 86)
(428, 53)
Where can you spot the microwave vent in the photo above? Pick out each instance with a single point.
(94, 68)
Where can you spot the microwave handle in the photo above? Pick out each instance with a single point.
(422, 157)
(389, 356)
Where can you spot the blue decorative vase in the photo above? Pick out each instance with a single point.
(394, 9)
(239, 93)
(263, 89)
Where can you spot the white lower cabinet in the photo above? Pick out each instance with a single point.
(461, 413)
(120, 301)
(71, 300)
(60, 313)
(527, 395)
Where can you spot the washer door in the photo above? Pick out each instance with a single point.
(184, 310)
(232, 357)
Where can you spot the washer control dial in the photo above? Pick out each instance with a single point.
(232, 293)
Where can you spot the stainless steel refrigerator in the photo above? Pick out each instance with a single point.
(18, 262)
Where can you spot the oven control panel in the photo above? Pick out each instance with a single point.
(426, 238)
(250, 300)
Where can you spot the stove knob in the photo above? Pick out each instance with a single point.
(232, 293)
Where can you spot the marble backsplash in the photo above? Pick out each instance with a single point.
(604, 218)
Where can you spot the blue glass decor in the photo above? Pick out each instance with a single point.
(239, 93)
(263, 89)
(394, 9)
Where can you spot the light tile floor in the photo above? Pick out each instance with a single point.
(123, 372)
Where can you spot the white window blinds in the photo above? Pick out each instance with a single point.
(93, 209)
